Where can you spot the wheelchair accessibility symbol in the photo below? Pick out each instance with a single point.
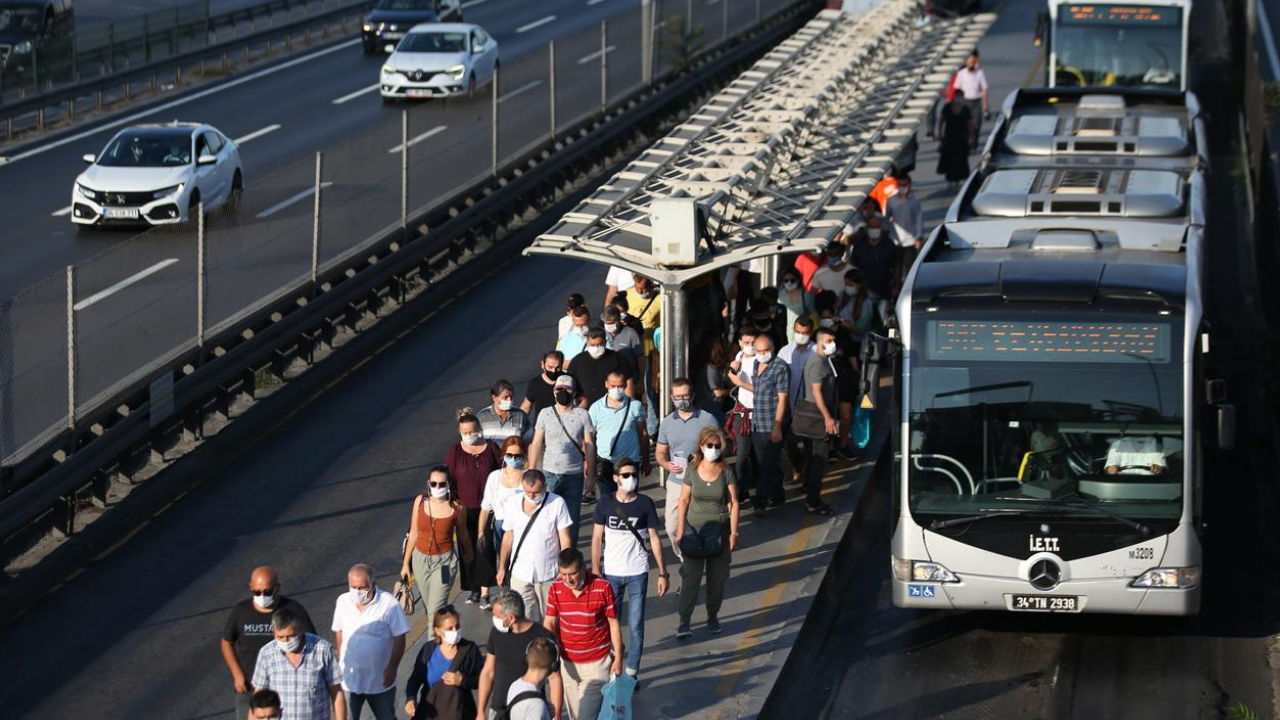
(921, 591)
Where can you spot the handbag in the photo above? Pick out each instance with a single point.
(403, 593)
(806, 419)
(617, 698)
(702, 544)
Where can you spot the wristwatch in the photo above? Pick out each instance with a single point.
(665, 576)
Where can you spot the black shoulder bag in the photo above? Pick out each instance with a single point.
(532, 519)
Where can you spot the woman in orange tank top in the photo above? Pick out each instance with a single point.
(429, 554)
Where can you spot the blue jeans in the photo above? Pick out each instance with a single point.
(382, 704)
(637, 587)
(569, 487)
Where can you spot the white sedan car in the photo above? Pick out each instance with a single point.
(439, 60)
(158, 175)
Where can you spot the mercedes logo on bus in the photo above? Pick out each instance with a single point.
(1045, 575)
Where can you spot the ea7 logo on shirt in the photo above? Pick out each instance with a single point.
(1043, 544)
(617, 523)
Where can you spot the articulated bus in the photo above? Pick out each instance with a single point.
(1049, 368)
(1118, 45)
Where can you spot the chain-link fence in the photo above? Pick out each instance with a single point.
(70, 343)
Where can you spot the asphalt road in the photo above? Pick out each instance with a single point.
(324, 101)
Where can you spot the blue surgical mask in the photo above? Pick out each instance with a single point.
(516, 462)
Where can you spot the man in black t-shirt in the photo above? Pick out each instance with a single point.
(508, 642)
(248, 629)
(593, 366)
(540, 393)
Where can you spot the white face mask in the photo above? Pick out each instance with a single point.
(536, 499)
(827, 322)
(451, 637)
(764, 357)
(580, 329)
(748, 351)
(828, 348)
(293, 644)
(499, 626)
(264, 601)
(472, 438)
(790, 284)
(802, 338)
(504, 405)
(615, 393)
(440, 493)
(711, 453)
(611, 328)
(629, 485)
(873, 233)
(361, 596)
(595, 351)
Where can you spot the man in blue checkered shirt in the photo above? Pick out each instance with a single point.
(770, 381)
(303, 669)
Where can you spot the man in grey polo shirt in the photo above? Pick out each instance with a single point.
(677, 442)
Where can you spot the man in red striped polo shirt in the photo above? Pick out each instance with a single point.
(580, 610)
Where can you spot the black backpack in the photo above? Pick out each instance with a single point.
(505, 713)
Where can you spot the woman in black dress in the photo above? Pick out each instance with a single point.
(953, 155)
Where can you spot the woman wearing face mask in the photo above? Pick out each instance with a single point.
(708, 505)
(429, 553)
(444, 674)
(470, 461)
(797, 301)
(501, 485)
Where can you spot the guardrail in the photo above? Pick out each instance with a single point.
(207, 52)
(277, 292)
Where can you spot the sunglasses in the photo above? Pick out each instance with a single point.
(515, 456)
(626, 475)
(713, 447)
(260, 593)
(439, 484)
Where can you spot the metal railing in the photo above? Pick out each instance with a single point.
(74, 344)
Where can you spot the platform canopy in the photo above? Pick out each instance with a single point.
(778, 161)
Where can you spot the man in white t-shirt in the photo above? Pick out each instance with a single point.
(530, 557)
(369, 631)
(1142, 455)
(743, 366)
(618, 280)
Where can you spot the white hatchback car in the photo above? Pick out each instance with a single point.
(158, 175)
(439, 60)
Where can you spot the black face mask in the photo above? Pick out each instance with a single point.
(564, 397)
(553, 374)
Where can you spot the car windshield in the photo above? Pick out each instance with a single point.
(407, 5)
(434, 42)
(148, 148)
(1111, 45)
(1091, 411)
(19, 19)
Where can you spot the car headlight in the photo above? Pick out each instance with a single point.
(161, 194)
(86, 193)
(931, 572)
(22, 48)
(456, 72)
(388, 70)
(367, 27)
(1173, 577)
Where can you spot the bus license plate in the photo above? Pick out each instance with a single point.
(1046, 603)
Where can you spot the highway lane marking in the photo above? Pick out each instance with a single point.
(472, 3)
(290, 200)
(414, 141)
(356, 94)
(132, 279)
(594, 2)
(256, 134)
(519, 91)
(536, 24)
(595, 55)
(129, 119)
(64, 211)
(1264, 24)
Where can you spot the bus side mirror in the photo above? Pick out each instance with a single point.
(1226, 426)
(1215, 391)
(873, 353)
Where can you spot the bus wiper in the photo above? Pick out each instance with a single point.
(940, 524)
(1079, 502)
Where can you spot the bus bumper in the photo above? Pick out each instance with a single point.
(1109, 596)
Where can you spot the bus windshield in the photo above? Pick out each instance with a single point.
(1118, 46)
(1006, 412)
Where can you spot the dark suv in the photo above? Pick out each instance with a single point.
(35, 35)
(391, 19)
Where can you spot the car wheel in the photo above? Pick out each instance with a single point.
(193, 207)
(237, 194)
(386, 100)
(471, 87)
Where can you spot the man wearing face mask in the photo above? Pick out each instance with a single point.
(795, 356)
(575, 341)
(738, 424)
(540, 391)
(620, 429)
(623, 339)
(501, 419)
(877, 257)
(831, 275)
(618, 552)
(770, 384)
(535, 529)
(580, 608)
(369, 628)
(820, 391)
(248, 629)
(303, 669)
(509, 640)
(564, 441)
(594, 365)
(677, 442)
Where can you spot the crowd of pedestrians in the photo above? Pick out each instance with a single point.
(771, 402)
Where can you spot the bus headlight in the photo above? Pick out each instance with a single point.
(906, 570)
(1179, 578)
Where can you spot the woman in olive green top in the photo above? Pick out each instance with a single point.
(709, 498)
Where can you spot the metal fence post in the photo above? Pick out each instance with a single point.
(494, 122)
(404, 170)
(646, 41)
(724, 20)
(177, 23)
(71, 347)
(207, 22)
(111, 47)
(551, 47)
(604, 64)
(315, 224)
(757, 12)
(200, 278)
(146, 36)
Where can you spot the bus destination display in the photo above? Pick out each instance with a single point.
(1048, 341)
(1121, 15)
